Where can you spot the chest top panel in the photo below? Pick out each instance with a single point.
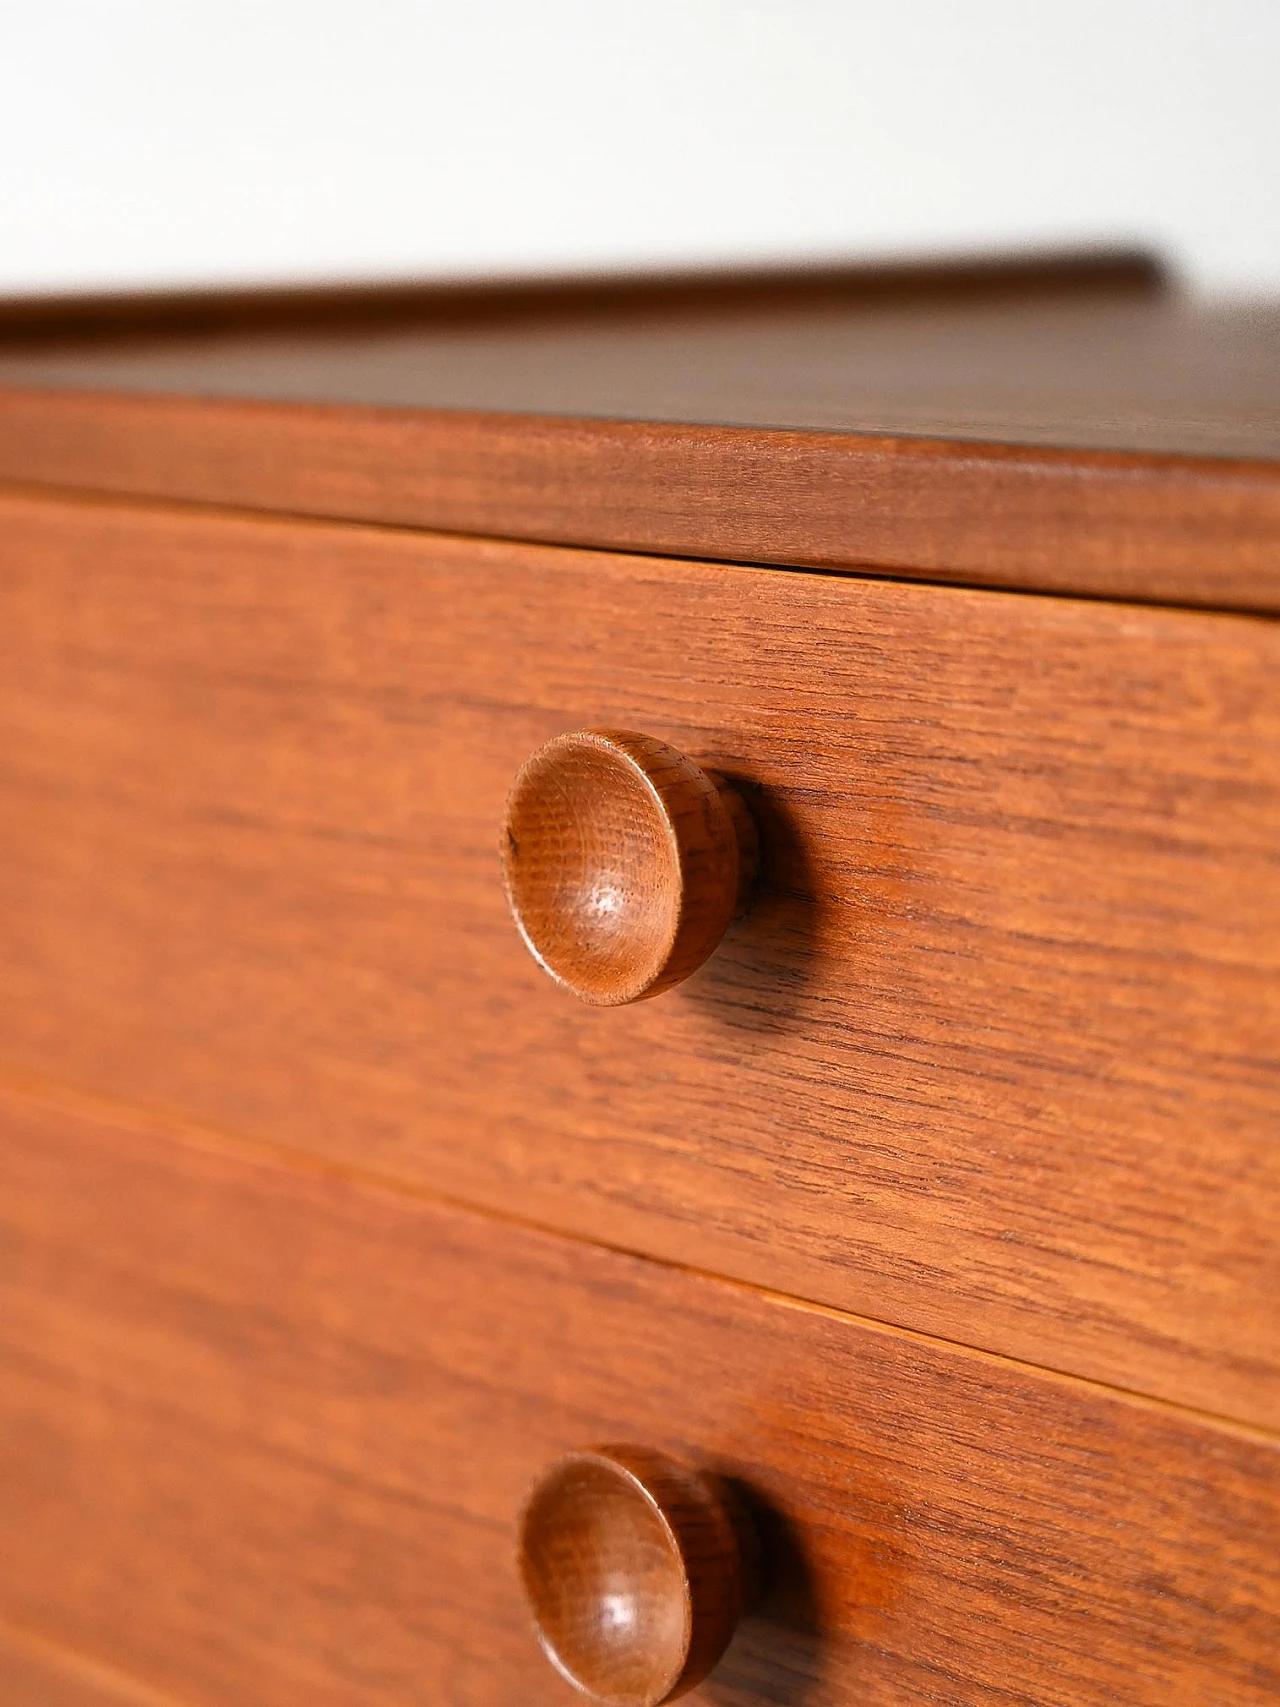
(1070, 429)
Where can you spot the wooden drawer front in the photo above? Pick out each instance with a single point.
(264, 1431)
(994, 1057)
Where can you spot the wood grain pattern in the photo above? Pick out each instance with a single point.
(993, 1055)
(265, 1432)
(38, 1673)
(1113, 525)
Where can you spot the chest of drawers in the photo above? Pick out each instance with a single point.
(928, 1224)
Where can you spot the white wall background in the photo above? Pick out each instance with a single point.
(156, 142)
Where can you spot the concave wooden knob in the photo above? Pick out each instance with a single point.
(636, 1569)
(624, 862)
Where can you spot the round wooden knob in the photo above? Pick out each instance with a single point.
(636, 1569)
(624, 862)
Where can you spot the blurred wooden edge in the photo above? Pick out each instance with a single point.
(61, 316)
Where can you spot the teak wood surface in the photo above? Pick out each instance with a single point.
(992, 1057)
(35, 1672)
(1115, 441)
(265, 1430)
